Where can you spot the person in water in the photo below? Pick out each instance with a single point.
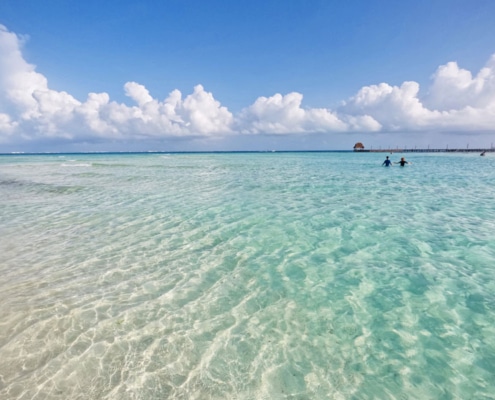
(402, 162)
(387, 162)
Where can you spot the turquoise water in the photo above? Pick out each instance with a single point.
(247, 276)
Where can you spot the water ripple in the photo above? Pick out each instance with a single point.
(247, 276)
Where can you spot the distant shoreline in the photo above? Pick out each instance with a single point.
(489, 150)
(172, 152)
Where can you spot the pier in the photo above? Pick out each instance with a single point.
(358, 147)
(424, 150)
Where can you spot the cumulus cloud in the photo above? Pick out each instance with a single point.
(454, 88)
(6, 125)
(284, 115)
(29, 110)
(393, 108)
(455, 101)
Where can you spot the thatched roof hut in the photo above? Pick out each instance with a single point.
(358, 146)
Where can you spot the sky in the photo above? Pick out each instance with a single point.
(223, 75)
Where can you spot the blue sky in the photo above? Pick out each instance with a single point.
(245, 75)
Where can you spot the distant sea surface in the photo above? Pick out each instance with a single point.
(247, 276)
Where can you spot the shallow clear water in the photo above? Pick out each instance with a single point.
(247, 276)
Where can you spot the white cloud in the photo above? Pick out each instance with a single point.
(18, 79)
(7, 126)
(138, 93)
(29, 110)
(454, 88)
(204, 114)
(393, 108)
(199, 114)
(284, 115)
(455, 102)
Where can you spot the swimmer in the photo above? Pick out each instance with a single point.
(387, 162)
(403, 162)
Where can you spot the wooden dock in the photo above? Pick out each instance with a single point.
(446, 150)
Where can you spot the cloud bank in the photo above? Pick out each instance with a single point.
(30, 111)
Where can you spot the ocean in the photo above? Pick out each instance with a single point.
(247, 276)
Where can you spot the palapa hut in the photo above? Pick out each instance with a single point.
(358, 146)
